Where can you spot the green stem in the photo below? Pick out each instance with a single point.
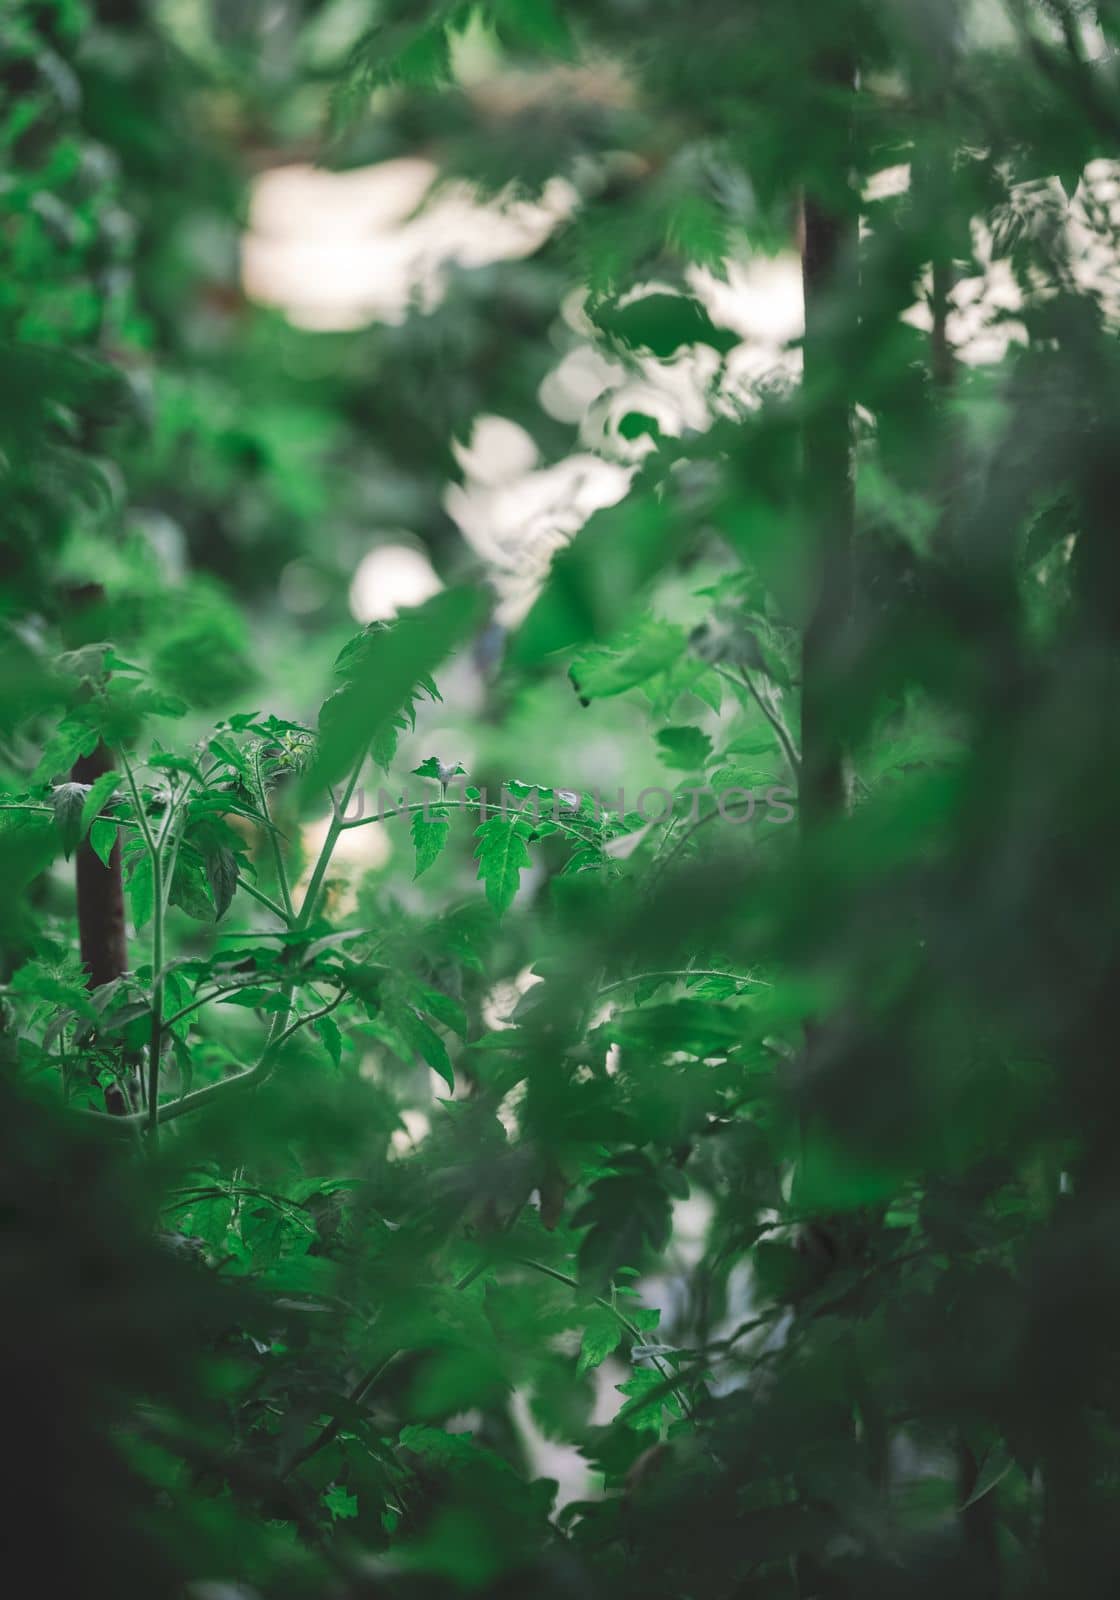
(33, 808)
(281, 1030)
(277, 853)
(682, 972)
(202, 1000)
(330, 1430)
(156, 1036)
(624, 1322)
(337, 827)
(156, 1041)
(141, 814)
(463, 805)
(164, 856)
(661, 867)
(171, 1109)
(266, 900)
(179, 1199)
(781, 732)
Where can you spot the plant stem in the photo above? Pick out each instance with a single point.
(266, 900)
(281, 1029)
(141, 814)
(624, 1322)
(277, 853)
(463, 805)
(666, 862)
(202, 1000)
(155, 1037)
(782, 733)
(681, 972)
(330, 1430)
(337, 826)
(172, 1109)
(155, 1045)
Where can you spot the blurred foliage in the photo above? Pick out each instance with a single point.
(618, 1098)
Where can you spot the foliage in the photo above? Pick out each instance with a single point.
(662, 1145)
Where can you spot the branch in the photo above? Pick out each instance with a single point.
(630, 1327)
(784, 737)
(330, 1430)
(266, 901)
(337, 825)
(734, 805)
(202, 1000)
(682, 972)
(171, 1109)
(471, 805)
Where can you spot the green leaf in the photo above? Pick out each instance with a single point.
(441, 1006)
(596, 582)
(442, 771)
(141, 890)
(341, 1504)
(68, 801)
(256, 999)
(420, 1037)
(662, 323)
(59, 984)
(102, 838)
(72, 738)
(423, 57)
(627, 1213)
(648, 650)
(222, 873)
(429, 835)
(171, 763)
(648, 1396)
(601, 1335)
(685, 749)
(99, 793)
(382, 671)
(225, 750)
(502, 856)
(328, 1030)
(190, 886)
(451, 1451)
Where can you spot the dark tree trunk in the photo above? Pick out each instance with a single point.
(101, 926)
(828, 252)
(829, 271)
(102, 939)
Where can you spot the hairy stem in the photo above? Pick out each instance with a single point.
(334, 831)
(277, 853)
(679, 972)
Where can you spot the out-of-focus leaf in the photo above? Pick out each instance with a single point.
(380, 672)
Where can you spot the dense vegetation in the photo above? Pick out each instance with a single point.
(604, 1082)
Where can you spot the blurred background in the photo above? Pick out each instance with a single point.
(357, 340)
